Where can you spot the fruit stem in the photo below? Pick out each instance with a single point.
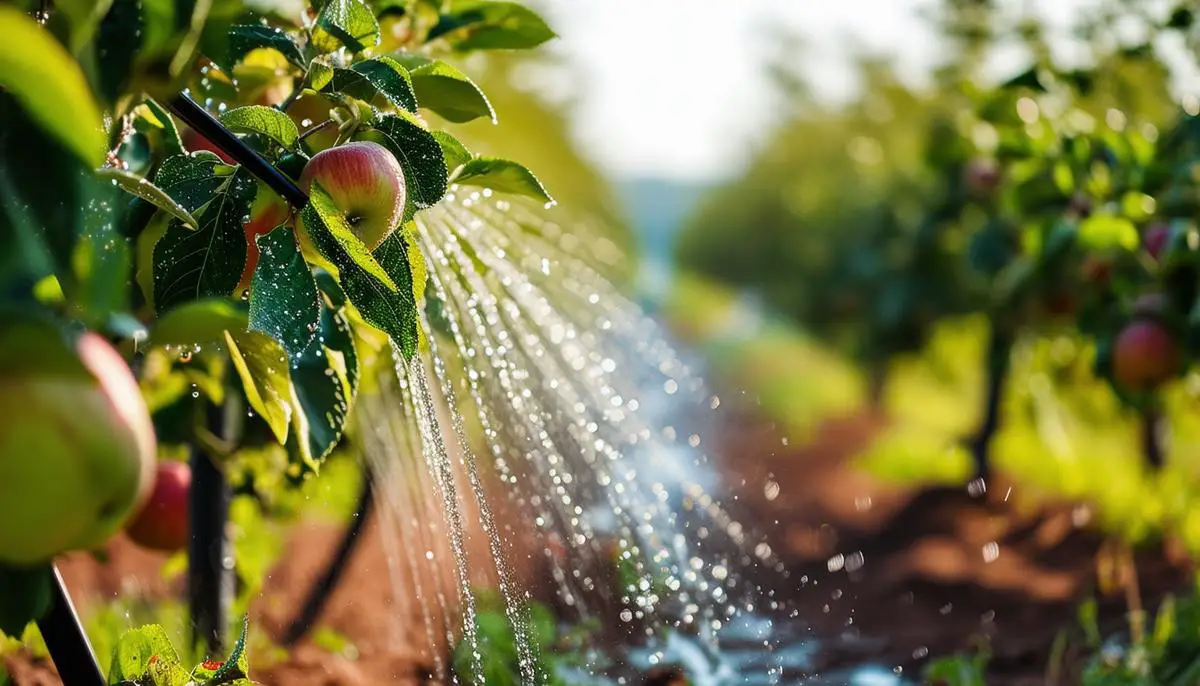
(66, 640)
(319, 594)
(316, 128)
(1151, 429)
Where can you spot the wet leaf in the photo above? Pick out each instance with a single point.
(446, 90)
(381, 75)
(152, 194)
(146, 655)
(207, 262)
(325, 378)
(502, 176)
(1101, 232)
(417, 151)
(50, 85)
(245, 38)
(151, 119)
(455, 153)
(267, 121)
(263, 368)
(335, 239)
(345, 23)
(283, 295)
(193, 179)
(480, 25)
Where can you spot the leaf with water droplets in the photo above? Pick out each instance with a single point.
(207, 262)
(245, 38)
(326, 225)
(199, 322)
(445, 90)
(191, 180)
(152, 120)
(417, 151)
(152, 194)
(325, 380)
(402, 259)
(283, 295)
(502, 176)
(263, 368)
(491, 25)
(455, 153)
(345, 23)
(145, 655)
(379, 76)
(267, 121)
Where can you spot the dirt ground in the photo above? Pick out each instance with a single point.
(892, 575)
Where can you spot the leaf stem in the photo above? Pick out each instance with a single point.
(316, 128)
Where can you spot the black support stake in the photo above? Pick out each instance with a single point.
(321, 589)
(208, 126)
(998, 361)
(210, 555)
(67, 642)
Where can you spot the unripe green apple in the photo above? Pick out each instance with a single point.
(366, 183)
(162, 523)
(1145, 354)
(268, 211)
(77, 450)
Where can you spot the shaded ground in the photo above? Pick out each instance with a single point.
(902, 575)
(883, 574)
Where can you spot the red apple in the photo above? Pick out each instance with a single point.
(162, 524)
(366, 183)
(269, 211)
(77, 446)
(1144, 355)
(1156, 238)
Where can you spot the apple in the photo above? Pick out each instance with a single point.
(268, 211)
(981, 176)
(162, 523)
(366, 183)
(77, 447)
(1144, 355)
(193, 141)
(1156, 238)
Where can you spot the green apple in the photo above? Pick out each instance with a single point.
(77, 446)
(366, 183)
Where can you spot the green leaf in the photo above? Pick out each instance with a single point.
(502, 176)
(345, 23)
(417, 151)
(192, 180)
(381, 80)
(446, 90)
(199, 322)
(50, 85)
(267, 121)
(1181, 18)
(245, 38)
(455, 153)
(391, 79)
(484, 25)
(151, 118)
(335, 238)
(283, 296)
(325, 378)
(1101, 232)
(207, 262)
(152, 194)
(25, 596)
(319, 74)
(118, 42)
(145, 655)
(263, 367)
(102, 260)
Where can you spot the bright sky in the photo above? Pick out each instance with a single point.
(675, 87)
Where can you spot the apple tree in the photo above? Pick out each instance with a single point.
(214, 202)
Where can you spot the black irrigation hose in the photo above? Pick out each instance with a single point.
(67, 642)
(204, 123)
(323, 587)
(208, 126)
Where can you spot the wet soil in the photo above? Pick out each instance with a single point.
(882, 574)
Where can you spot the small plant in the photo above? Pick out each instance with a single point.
(146, 657)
